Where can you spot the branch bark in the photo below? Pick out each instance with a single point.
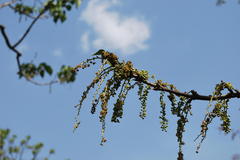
(193, 94)
(11, 47)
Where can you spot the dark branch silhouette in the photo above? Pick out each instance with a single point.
(28, 29)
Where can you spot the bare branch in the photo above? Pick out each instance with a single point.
(28, 29)
(9, 45)
(7, 4)
(42, 84)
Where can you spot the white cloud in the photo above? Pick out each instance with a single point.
(58, 52)
(114, 31)
(85, 41)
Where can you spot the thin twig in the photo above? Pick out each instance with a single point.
(28, 29)
(42, 84)
(7, 3)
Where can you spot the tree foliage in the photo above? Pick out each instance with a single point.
(13, 149)
(57, 11)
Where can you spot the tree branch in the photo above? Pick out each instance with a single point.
(7, 4)
(159, 86)
(18, 54)
(13, 47)
(28, 29)
(42, 84)
(193, 94)
(9, 45)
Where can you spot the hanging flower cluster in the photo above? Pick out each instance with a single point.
(118, 78)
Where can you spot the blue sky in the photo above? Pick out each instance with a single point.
(192, 44)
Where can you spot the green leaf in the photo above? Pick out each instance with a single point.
(48, 69)
(41, 72)
(38, 146)
(23, 142)
(78, 2)
(51, 151)
(63, 18)
(44, 67)
(28, 138)
(66, 74)
(68, 7)
(55, 19)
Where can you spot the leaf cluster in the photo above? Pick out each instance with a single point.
(11, 149)
(20, 8)
(66, 74)
(56, 9)
(30, 70)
